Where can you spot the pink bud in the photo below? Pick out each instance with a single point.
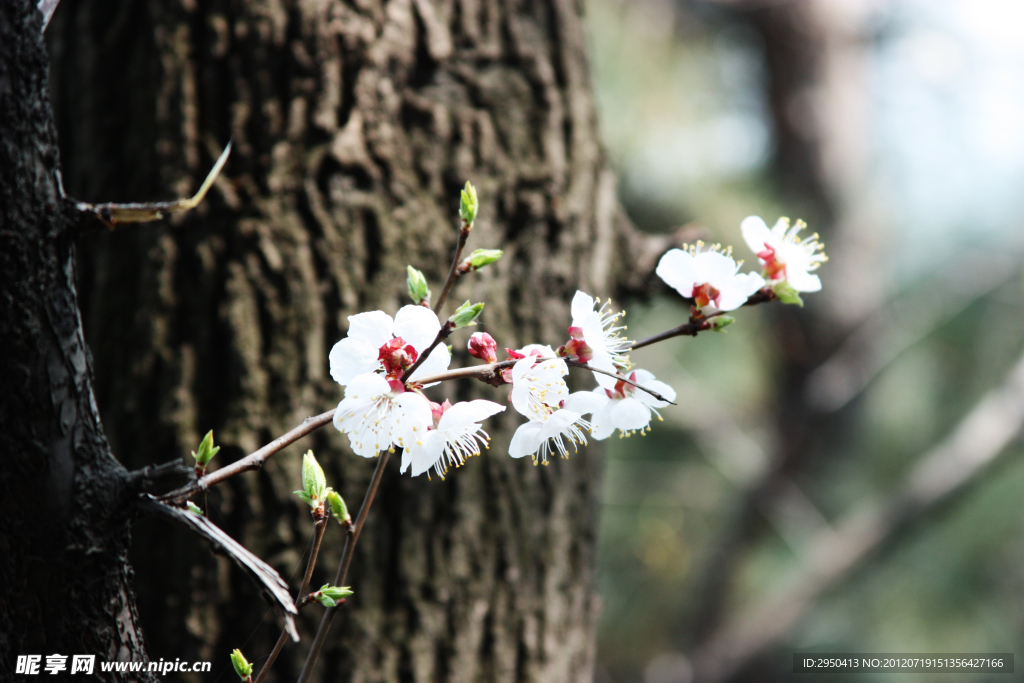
(483, 346)
(576, 333)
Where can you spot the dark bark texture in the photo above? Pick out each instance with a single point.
(354, 124)
(65, 583)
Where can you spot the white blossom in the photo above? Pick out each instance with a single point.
(375, 341)
(378, 414)
(537, 392)
(457, 436)
(625, 407)
(603, 347)
(783, 254)
(710, 277)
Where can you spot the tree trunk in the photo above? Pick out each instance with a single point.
(354, 126)
(65, 584)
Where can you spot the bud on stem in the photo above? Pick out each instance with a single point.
(242, 667)
(205, 453)
(417, 286)
(465, 315)
(468, 206)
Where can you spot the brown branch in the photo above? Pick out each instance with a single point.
(442, 334)
(453, 274)
(254, 460)
(695, 325)
(581, 364)
(346, 560)
(318, 536)
(974, 446)
(112, 214)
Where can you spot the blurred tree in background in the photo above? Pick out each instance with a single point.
(813, 439)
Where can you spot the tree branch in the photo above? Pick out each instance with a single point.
(271, 585)
(453, 274)
(343, 565)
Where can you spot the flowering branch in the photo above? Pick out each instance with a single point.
(254, 460)
(703, 323)
(442, 334)
(346, 560)
(318, 536)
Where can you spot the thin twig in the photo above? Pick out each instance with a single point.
(702, 324)
(442, 334)
(254, 460)
(318, 536)
(346, 560)
(453, 274)
(580, 364)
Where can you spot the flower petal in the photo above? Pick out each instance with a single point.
(428, 454)
(603, 363)
(654, 385)
(755, 233)
(630, 414)
(586, 402)
(437, 362)
(467, 413)
(373, 327)
(351, 357)
(677, 270)
(601, 425)
(803, 281)
(411, 419)
(417, 326)
(545, 350)
(526, 440)
(738, 289)
(582, 306)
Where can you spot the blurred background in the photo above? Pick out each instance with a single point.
(845, 477)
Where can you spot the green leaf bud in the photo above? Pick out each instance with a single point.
(417, 285)
(313, 481)
(720, 322)
(242, 667)
(335, 592)
(469, 204)
(465, 315)
(338, 507)
(194, 509)
(206, 450)
(482, 257)
(785, 293)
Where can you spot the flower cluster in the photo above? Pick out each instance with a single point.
(386, 364)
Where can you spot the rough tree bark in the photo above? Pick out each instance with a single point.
(65, 584)
(354, 125)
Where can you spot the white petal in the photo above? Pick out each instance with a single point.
(629, 414)
(407, 458)
(426, 456)
(559, 421)
(521, 367)
(714, 268)
(520, 398)
(526, 440)
(604, 363)
(737, 290)
(545, 350)
(654, 385)
(755, 233)
(677, 270)
(437, 362)
(352, 357)
(367, 386)
(467, 413)
(803, 281)
(412, 418)
(373, 327)
(593, 333)
(586, 402)
(417, 326)
(551, 369)
(582, 306)
(601, 426)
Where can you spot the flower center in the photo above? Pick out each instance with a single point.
(774, 268)
(705, 294)
(396, 356)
